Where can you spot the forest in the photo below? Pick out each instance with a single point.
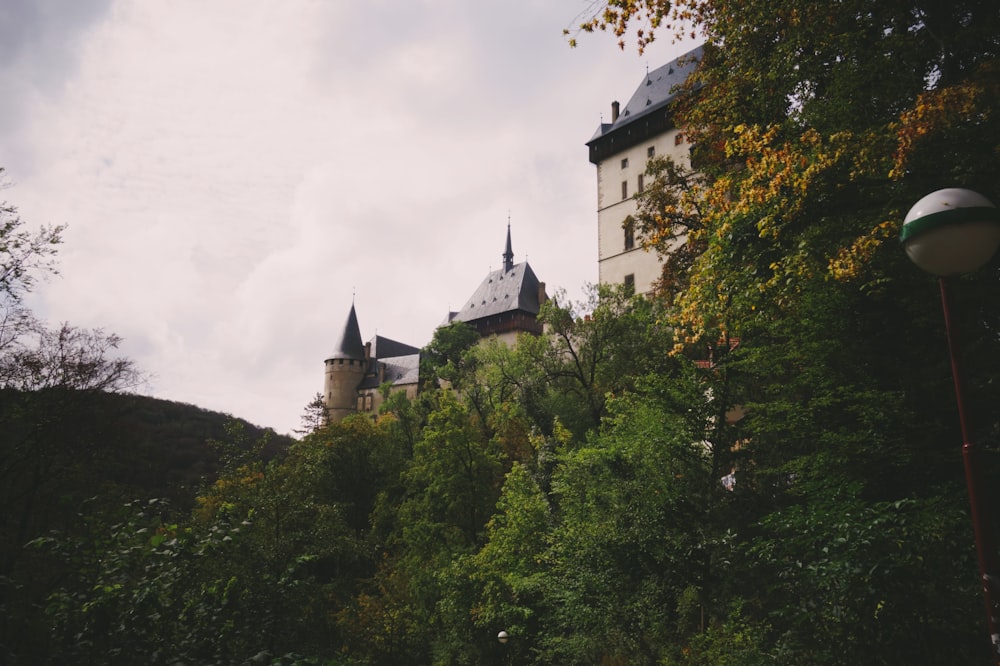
(760, 463)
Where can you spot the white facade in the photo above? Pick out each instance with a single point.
(620, 150)
(623, 173)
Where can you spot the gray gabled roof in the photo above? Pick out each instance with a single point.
(658, 89)
(398, 371)
(502, 291)
(383, 348)
(403, 369)
(349, 345)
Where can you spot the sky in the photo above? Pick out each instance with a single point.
(233, 174)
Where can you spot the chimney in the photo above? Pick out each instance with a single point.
(614, 111)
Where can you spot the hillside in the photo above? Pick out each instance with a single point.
(62, 447)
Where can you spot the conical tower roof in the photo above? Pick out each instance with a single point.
(349, 345)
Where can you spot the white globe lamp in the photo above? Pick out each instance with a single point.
(951, 231)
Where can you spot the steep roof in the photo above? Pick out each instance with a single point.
(651, 99)
(349, 345)
(502, 291)
(659, 88)
(383, 348)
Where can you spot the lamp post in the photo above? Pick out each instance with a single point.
(947, 233)
(502, 638)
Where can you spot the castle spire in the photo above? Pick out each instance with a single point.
(508, 253)
(350, 345)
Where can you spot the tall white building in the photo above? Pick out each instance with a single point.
(620, 149)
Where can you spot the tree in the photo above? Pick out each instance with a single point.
(315, 416)
(670, 220)
(68, 358)
(638, 509)
(446, 357)
(511, 568)
(647, 16)
(815, 128)
(588, 351)
(51, 432)
(46, 415)
(453, 481)
(24, 255)
(812, 167)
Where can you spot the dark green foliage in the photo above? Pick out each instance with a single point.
(71, 459)
(446, 357)
(875, 583)
(586, 354)
(174, 594)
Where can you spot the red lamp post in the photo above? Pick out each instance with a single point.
(947, 233)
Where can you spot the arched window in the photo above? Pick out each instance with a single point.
(629, 226)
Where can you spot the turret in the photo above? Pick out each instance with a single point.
(345, 368)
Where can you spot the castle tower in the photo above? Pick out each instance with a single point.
(620, 150)
(345, 370)
(507, 302)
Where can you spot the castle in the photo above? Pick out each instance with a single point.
(506, 303)
(620, 150)
(508, 300)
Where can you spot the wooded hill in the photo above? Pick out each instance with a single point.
(72, 459)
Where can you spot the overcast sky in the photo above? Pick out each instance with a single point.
(232, 171)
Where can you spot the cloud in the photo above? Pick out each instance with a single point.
(235, 173)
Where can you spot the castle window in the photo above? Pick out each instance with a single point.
(640, 187)
(650, 152)
(629, 226)
(630, 284)
(624, 189)
(361, 403)
(625, 163)
(368, 402)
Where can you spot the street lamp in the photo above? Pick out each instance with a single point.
(947, 233)
(503, 637)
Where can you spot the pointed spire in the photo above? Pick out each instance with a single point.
(508, 253)
(350, 345)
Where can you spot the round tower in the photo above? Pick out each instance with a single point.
(345, 368)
